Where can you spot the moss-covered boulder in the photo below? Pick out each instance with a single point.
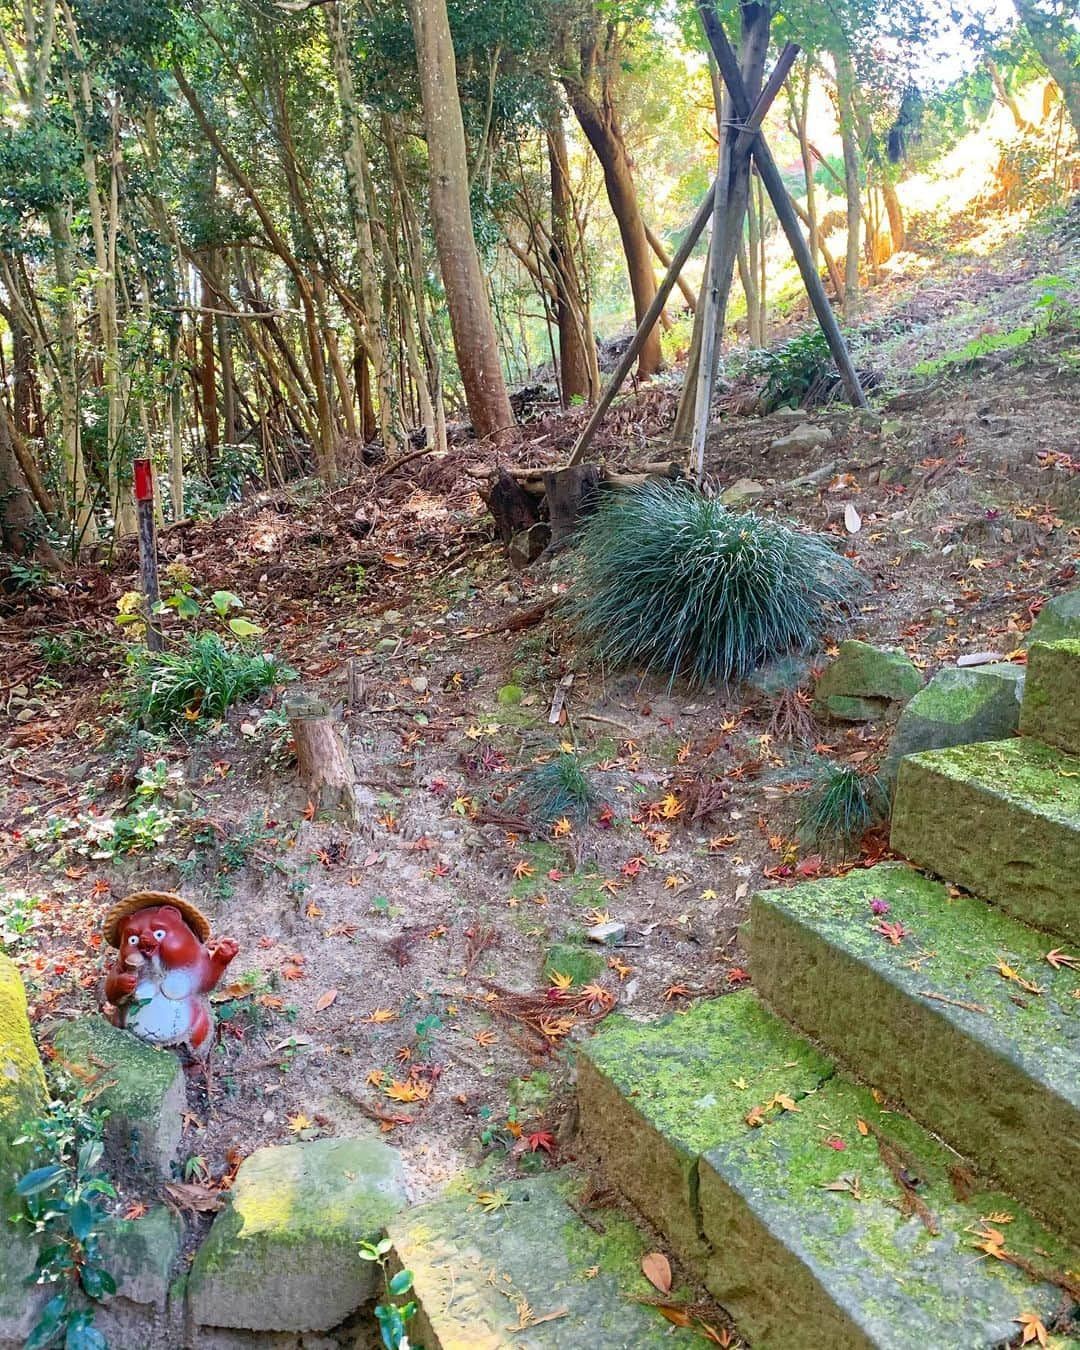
(1051, 709)
(1059, 618)
(22, 1096)
(144, 1090)
(654, 1097)
(540, 1252)
(140, 1254)
(285, 1254)
(864, 681)
(958, 707)
(817, 1241)
(990, 1065)
(1001, 819)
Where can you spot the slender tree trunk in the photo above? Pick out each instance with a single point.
(1058, 46)
(801, 117)
(1002, 92)
(664, 257)
(21, 527)
(578, 370)
(471, 323)
(600, 124)
(845, 93)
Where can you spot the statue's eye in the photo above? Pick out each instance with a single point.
(159, 933)
(133, 940)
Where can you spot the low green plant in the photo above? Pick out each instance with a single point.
(672, 582)
(796, 371)
(839, 808)
(559, 789)
(62, 653)
(197, 683)
(62, 1197)
(393, 1318)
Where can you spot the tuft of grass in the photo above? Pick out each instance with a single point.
(197, 683)
(560, 788)
(673, 581)
(840, 808)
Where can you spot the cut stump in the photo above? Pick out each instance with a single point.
(322, 758)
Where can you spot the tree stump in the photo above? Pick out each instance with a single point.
(571, 494)
(513, 508)
(322, 758)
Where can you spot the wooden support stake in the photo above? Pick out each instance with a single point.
(148, 565)
(774, 186)
(322, 759)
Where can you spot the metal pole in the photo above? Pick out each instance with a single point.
(148, 565)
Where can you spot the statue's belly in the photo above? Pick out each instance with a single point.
(157, 1018)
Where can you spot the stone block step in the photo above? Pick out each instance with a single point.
(816, 1216)
(946, 1004)
(524, 1271)
(1001, 819)
(1051, 706)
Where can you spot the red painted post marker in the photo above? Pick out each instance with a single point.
(143, 482)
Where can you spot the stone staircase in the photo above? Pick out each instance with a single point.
(880, 1145)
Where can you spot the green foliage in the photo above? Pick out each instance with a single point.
(197, 683)
(393, 1318)
(60, 653)
(840, 808)
(797, 372)
(673, 582)
(62, 1198)
(560, 788)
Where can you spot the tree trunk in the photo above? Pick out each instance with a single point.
(1003, 94)
(471, 323)
(579, 377)
(801, 116)
(845, 111)
(664, 256)
(601, 128)
(322, 759)
(1059, 50)
(21, 528)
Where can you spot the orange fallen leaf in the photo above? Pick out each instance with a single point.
(1034, 1329)
(657, 1270)
(299, 1122)
(382, 1015)
(325, 1000)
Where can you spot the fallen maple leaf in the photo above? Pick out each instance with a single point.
(411, 1091)
(1034, 1330)
(522, 869)
(895, 932)
(541, 1140)
(562, 828)
(1057, 959)
(561, 981)
(485, 1038)
(657, 1270)
(300, 1122)
(382, 1015)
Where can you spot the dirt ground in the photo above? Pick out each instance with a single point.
(370, 989)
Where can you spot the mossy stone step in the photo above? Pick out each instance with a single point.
(797, 1264)
(655, 1096)
(1001, 819)
(475, 1271)
(987, 1063)
(812, 1246)
(1051, 707)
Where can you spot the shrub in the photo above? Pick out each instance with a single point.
(201, 680)
(556, 790)
(675, 582)
(798, 373)
(840, 808)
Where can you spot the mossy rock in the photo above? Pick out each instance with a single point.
(654, 1097)
(862, 671)
(1001, 819)
(582, 964)
(285, 1254)
(1059, 618)
(22, 1099)
(539, 1251)
(140, 1253)
(815, 1243)
(996, 1077)
(144, 1090)
(1051, 709)
(958, 707)
(510, 695)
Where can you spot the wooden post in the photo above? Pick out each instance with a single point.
(148, 568)
(693, 233)
(774, 186)
(322, 759)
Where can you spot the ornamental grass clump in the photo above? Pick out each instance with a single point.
(557, 790)
(838, 810)
(674, 582)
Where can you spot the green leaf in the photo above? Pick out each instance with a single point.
(82, 1335)
(245, 628)
(223, 601)
(82, 1220)
(89, 1156)
(97, 1281)
(401, 1283)
(40, 1179)
(48, 1324)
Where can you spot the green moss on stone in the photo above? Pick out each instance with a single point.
(582, 964)
(1059, 618)
(932, 1021)
(864, 671)
(1051, 710)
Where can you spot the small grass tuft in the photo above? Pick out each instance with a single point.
(840, 808)
(673, 581)
(197, 683)
(560, 788)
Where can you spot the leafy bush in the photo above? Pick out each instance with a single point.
(557, 790)
(840, 808)
(673, 581)
(200, 681)
(798, 373)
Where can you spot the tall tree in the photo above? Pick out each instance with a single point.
(1055, 35)
(475, 341)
